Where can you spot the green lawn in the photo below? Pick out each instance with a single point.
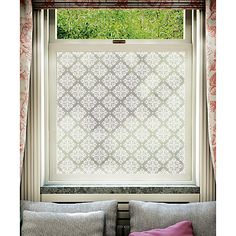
(120, 24)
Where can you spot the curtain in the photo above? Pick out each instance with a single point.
(180, 4)
(26, 24)
(211, 75)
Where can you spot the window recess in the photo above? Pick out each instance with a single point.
(120, 113)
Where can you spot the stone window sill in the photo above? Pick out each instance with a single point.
(115, 189)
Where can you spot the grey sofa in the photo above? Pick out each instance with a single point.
(143, 215)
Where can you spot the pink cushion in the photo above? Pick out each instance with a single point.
(183, 228)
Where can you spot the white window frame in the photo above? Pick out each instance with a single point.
(185, 44)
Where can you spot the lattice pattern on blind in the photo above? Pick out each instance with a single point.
(120, 113)
(161, 4)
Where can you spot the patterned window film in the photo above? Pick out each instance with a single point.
(121, 115)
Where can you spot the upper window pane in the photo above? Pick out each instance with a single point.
(120, 24)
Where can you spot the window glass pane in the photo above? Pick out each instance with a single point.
(121, 113)
(120, 24)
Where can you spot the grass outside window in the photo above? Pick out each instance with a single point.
(120, 24)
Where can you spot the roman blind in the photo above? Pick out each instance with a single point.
(161, 4)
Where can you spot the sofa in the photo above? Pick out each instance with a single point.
(100, 218)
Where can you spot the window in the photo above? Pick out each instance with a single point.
(120, 24)
(120, 113)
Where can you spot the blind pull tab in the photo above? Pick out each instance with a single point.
(118, 41)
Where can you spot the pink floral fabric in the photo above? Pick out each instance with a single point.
(211, 74)
(183, 4)
(25, 63)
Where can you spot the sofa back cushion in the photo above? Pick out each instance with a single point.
(149, 215)
(108, 207)
(61, 224)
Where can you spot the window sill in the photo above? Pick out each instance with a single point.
(152, 189)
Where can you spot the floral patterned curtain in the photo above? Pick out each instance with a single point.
(25, 63)
(211, 74)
